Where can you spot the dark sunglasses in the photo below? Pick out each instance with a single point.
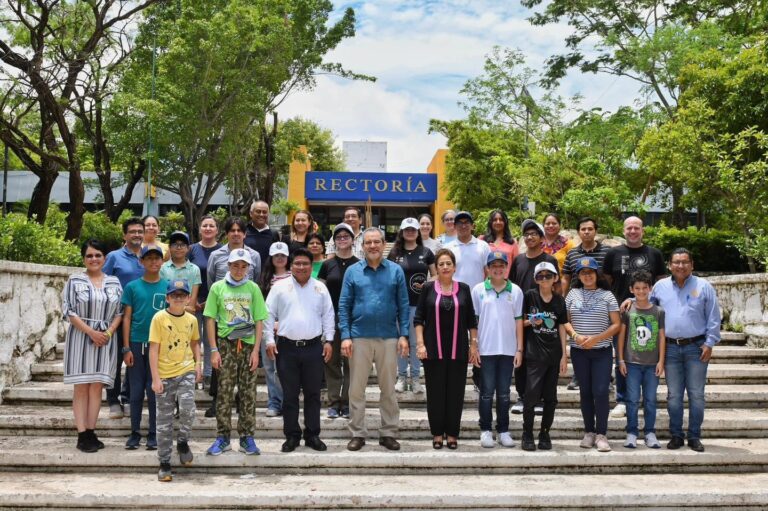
(545, 276)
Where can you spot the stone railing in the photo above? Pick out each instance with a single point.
(30, 316)
(744, 301)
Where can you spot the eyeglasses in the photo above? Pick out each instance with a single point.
(544, 276)
(343, 238)
(448, 220)
(301, 263)
(179, 245)
(531, 235)
(94, 256)
(462, 223)
(178, 296)
(136, 231)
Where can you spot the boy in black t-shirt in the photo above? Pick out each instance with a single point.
(545, 317)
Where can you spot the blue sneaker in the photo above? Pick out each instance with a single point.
(333, 413)
(345, 412)
(248, 445)
(220, 445)
(133, 441)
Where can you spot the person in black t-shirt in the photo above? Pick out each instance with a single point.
(544, 319)
(418, 264)
(619, 265)
(521, 274)
(337, 368)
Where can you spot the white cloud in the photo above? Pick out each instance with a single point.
(422, 52)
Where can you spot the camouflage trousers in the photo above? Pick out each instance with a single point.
(181, 388)
(235, 372)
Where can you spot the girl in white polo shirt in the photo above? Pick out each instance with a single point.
(499, 304)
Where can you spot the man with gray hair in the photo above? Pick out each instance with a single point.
(373, 313)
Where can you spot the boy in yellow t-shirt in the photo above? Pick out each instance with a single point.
(174, 360)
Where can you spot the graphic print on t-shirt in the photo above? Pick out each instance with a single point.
(643, 332)
(630, 264)
(548, 325)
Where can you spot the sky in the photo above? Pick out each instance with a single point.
(422, 52)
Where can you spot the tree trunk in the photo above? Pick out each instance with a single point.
(41, 195)
(136, 172)
(76, 203)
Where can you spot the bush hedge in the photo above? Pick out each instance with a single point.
(25, 240)
(712, 249)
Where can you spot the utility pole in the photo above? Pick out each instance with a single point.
(5, 181)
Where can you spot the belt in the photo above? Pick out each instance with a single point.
(300, 343)
(685, 341)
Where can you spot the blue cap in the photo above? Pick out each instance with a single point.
(496, 256)
(586, 263)
(151, 249)
(177, 285)
(179, 236)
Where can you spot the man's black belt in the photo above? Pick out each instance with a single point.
(300, 343)
(685, 341)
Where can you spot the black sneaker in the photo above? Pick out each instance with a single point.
(545, 443)
(134, 439)
(165, 474)
(185, 455)
(211, 411)
(92, 434)
(85, 443)
(675, 443)
(151, 442)
(573, 384)
(527, 442)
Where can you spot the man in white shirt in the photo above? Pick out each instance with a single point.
(471, 253)
(303, 310)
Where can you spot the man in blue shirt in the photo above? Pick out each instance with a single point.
(373, 312)
(124, 264)
(693, 328)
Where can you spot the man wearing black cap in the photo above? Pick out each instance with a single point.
(522, 274)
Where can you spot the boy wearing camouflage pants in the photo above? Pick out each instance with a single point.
(236, 305)
(174, 360)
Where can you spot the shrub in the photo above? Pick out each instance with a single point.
(25, 240)
(97, 226)
(712, 249)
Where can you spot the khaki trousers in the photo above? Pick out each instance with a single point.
(367, 351)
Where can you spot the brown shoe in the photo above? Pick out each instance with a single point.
(390, 443)
(356, 443)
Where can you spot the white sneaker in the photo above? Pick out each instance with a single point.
(506, 440)
(631, 441)
(416, 386)
(602, 443)
(401, 385)
(588, 441)
(486, 439)
(651, 441)
(517, 408)
(619, 411)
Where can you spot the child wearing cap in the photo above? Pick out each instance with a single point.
(545, 320)
(174, 361)
(181, 268)
(142, 299)
(497, 303)
(236, 305)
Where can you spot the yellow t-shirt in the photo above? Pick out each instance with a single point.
(175, 335)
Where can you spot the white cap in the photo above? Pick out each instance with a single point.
(409, 223)
(278, 247)
(239, 254)
(545, 266)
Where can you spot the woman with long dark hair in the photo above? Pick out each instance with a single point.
(91, 304)
(418, 264)
(499, 237)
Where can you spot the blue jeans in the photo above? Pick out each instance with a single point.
(685, 372)
(274, 389)
(412, 360)
(496, 376)
(639, 375)
(621, 382)
(593, 370)
(140, 381)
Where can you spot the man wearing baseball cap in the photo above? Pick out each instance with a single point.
(521, 274)
(236, 305)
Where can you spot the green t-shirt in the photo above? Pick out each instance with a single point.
(145, 299)
(235, 308)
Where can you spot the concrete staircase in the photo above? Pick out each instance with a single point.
(40, 467)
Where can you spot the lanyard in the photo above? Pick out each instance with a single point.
(454, 293)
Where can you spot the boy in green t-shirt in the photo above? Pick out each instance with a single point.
(236, 304)
(174, 360)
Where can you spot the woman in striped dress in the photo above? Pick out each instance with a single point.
(593, 314)
(91, 304)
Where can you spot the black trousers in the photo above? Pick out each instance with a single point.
(520, 379)
(445, 381)
(541, 382)
(300, 369)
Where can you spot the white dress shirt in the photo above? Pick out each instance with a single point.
(301, 312)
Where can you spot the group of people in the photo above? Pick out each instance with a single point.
(315, 316)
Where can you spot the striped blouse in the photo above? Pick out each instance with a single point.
(589, 311)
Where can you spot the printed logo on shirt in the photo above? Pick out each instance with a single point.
(548, 322)
(643, 332)
(417, 281)
(158, 301)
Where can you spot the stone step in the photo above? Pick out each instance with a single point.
(717, 396)
(723, 373)
(733, 338)
(360, 491)
(58, 421)
(51, 454)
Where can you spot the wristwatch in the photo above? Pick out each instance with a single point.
(126, 350)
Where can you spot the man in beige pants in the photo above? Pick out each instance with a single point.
(373, 313)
